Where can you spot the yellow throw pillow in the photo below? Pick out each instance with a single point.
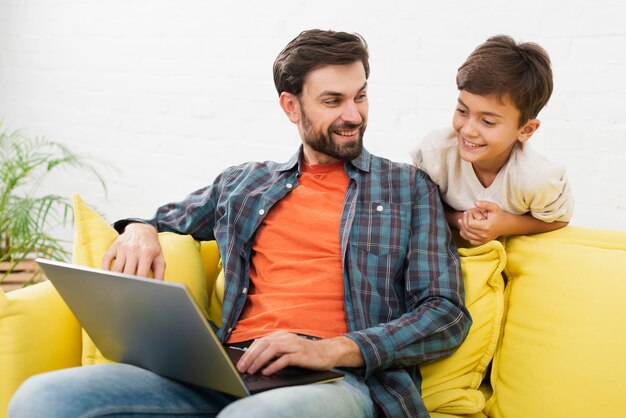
(217, 298)
(184, 264)
(562, 348)
(451, 385)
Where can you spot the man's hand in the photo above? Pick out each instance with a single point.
(483, 223)
(136, 251)
(281, 349)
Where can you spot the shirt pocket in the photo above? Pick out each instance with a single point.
(382, 228)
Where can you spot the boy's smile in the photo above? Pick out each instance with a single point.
(487, 130)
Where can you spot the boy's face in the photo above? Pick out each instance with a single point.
(331, 112)
(487, 129)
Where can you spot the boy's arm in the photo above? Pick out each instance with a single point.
(453, 217)
(498, 222)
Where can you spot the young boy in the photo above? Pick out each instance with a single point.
(492, 183)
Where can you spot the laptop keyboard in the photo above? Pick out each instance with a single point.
(258, 377)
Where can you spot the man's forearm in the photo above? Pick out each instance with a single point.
(346, 352)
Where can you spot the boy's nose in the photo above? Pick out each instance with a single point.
(469, 128)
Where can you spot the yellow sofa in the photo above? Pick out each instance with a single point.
(550, 343)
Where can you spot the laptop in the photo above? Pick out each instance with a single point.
(158, 326)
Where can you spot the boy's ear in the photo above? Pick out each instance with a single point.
(291, 106)
(529, 128)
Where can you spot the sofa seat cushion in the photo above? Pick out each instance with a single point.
(38, 333)
(562, 348)
(184, 264)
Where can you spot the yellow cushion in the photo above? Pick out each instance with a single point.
(217, 297)
(451, 385)
(442, 415)
(38, 333)
(562, 348)
(211, 262)
(181, 252)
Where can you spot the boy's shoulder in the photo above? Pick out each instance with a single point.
(527, 159)
(434, 147)
(533, 173)
(438, 139)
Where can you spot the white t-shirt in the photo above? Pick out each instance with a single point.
(527, 183)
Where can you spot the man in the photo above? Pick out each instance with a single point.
(335, 244)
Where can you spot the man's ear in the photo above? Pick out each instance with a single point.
(529, 128)
(290, 105)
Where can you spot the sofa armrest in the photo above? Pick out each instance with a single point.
(38, 333)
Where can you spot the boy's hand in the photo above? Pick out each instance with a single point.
(483, 223)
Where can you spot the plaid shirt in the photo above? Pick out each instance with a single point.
(404, 295)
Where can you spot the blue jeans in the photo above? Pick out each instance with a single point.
(121, 390)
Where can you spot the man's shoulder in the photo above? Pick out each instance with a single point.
(398, 174)
(380, 164)
(252, 165)
(247, 173)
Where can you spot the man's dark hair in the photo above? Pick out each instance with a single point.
(316, 48)
(502, 67)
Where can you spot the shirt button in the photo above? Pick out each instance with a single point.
(230, 329)
(262, 211)
(289, 185)
(379, 208)
(244, 290)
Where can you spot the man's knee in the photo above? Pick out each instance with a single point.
(34, 398)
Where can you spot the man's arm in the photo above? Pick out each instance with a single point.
(137, 249)
(436, 319)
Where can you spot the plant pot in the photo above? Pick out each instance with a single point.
(26, 272)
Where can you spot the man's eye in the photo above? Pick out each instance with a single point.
(332, 102)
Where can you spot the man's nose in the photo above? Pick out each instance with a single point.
(351, 113)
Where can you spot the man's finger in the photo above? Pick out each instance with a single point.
(130, 266)
(158, 267)
(118, 263)
(109, 257)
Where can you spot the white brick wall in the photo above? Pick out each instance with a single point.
(171, 92)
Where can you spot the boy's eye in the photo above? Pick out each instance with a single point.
(461, 111)
(488, 122)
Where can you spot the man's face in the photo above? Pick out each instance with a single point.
(333, 113)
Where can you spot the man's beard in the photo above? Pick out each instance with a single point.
(322, 141)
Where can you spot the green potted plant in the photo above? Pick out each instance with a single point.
(27, 213)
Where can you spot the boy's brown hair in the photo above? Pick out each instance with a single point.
(315, 48)
(503, 67)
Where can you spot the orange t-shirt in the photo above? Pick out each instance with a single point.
(296, 274)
